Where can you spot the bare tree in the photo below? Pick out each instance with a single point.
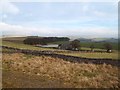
(108, 47)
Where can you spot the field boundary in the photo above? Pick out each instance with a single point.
(113, 62)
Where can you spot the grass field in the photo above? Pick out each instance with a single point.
(23, 46)
(98, 45)
(14, 39)
(113, 55)
(27, 71)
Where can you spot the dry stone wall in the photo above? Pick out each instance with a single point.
(65, 57)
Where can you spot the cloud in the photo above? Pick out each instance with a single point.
(89, 8)
(64, 23)
(98, 13)
(66, 0)
(8, 8)
(97, 10)
(8, 29)
(21, 30)
(85, 8)
(90, 32)
(5, 16)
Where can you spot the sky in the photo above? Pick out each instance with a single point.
(76, 19)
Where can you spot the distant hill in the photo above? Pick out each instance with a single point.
(98, 40)
(14, 39)
(84, 40)
(105, 40)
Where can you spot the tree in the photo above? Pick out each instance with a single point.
(108, 47)
(92, 47)
(33, 40)
(75, 44)
(59, 46)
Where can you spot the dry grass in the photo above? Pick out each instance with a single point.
(72, 75)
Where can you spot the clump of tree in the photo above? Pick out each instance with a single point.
(43, 40)
(92, 47)
(34, 41)
(108, 47)
(75, 44)
(54, 39)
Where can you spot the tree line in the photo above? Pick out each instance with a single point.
(43, 40)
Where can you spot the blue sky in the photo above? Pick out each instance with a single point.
(80, 19)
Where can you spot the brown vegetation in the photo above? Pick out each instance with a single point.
(73, 75)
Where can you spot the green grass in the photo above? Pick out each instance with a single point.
(95, 49)
(84, 46)
(7, 51)
(14, 39)
(23, 46)
(113, 55)
(99, 45)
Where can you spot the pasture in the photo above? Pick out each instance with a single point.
(113, 55)
(23, 46)
(84, 45)
(14, 39)
(98, 45)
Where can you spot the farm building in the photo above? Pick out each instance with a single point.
(48, 46)
(65, 46)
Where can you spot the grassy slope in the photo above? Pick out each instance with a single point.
(98, 45)
(23, 46)
(113, 55)
(41, 70)
(84, 46)
(14, 39)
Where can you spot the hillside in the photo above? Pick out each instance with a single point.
(98, 40)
